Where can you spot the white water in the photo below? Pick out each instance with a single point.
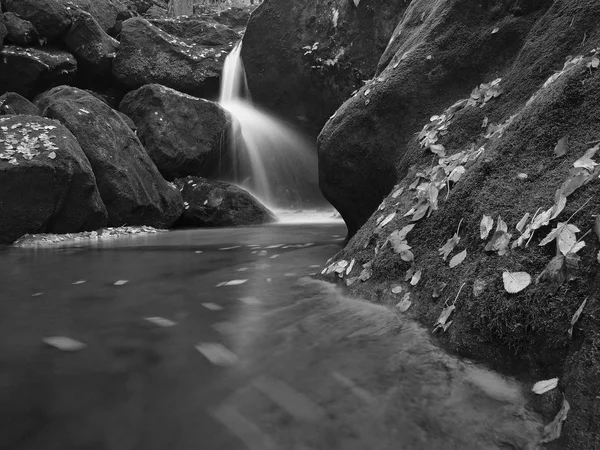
(267, 157)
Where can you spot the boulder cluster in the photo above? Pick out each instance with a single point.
(100, 114)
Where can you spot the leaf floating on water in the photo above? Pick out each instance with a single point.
(66, 344)
(457, 259)
(521, 225)
(416, 278)
(233, 283)
(515, 281)
(487, 223)
(397, 289)
(217, 353)
(576, 317)
(561, 147)
(121, 282)
(553, 430)
(404, 304)
(160, 321)
(541, 387)
(387, 220)
(438, 289)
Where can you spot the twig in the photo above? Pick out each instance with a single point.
(594, 142)
(582, 206)
(456, 298)
(458, 229)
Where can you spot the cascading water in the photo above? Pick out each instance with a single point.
(266, 157)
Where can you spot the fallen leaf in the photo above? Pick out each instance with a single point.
(52, 155)
(553, 430)
(396, 289)
(420, 211)
(499, 243)
(586, 161)
(399, 236)
(501, 225)
(387, 220)
(522, 223)
(558, 271)
(405, 303)
(561, 147)
(558, 206)
(160, 321)
(576, 316)
(495, 30)
(449, 246)
(438, 149)
(416, 278)
(398, 193)
(541, 220)
(409, 273)
(366, 274)
(515, 281)
(597, 226)
(121, 282)
(456, 174)
(487, 223)
(457, 259)
(594, 63)
(213, 306)
(79, 282)
(217, 353)
(66, 344)
(351, 266)
(541, 387)
(479, 286)
(444, 316)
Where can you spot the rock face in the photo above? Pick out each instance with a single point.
(12, 103)
(129, 183)
(50, 18)
(436, 55)
(20, 32)
(93, 48)
(217, 204)
(149, 55)
(106, 12)
(3, 31)
(29, 71)
(182, 134)
(303, 58)
(46, 182)
(193, 30)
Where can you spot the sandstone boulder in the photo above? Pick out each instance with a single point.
(30, 71)
(14, 104)
(149, 55)
(216, 204)
(129, 183)
(20, 32)
(46, 181)
(51, 18)
(182, 134)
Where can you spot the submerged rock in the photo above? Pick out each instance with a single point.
(46, 181)
(216, 204)
(182, 134)
(131, 187)
(29, 71)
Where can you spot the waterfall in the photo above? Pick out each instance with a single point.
(265, 156)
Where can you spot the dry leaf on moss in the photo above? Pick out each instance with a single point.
(404, 304)
(597, 226)
(438, 289)
(444, 316)
(553, 430)
(522, 223)
(561, 147)
(586, 161)
(541, 387)
(487, 223)
(576, 316)
(501, 225)
(387, 220)
(515, 281)
(416, 278)
(397, 289)
(458, 258)
(449, 246)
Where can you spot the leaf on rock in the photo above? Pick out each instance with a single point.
(586, 161)
(416, 278)
(541, 387)
(501, 225)
(499, 243)
(444, 316)
(456, 174)
(398, 193)
(420, 211)
(561, 147)
(522, 223)
(409, 273)
(400, 235)
(351, 266)
(515, 281)
(365, 274)
(553, 430)
(457, 259)
(438, 149)
(487, 223)
(558, 206)
(405, 303)
(438, 289)
(387, 220)
(559, 270)
(449, 246)
(397, 289)
(576, 316)
(66, 344)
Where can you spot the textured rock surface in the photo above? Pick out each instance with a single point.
(193, 30)
(51, 18)
(12, 103)
(131, 187)
(46, 181)
(20, 32)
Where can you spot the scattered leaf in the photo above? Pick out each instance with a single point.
(438, 149)
(160, 321)
(438, 289)
(553, 430)
(479, 286)
(121, 282)
(387, 220)
(52, 155)
(351, 266)
(213, 306)
(400, 235)
(397, 289)
(561, 147)
(398, 193)
(416, 278)
(449, 246)
(420, 211)
(487, 223)
(522, 223)
(366, 274)
(559, 270)
(576, 316)
(558, 206)
(456, 174)
(217, 353)
(586, 161)
(409, 273)
(501, 225)
(541, 387)
(499, 243)
(457, 259)
(405, 303)
(515, 281)
(495, 30)
(597, 226)
(66, 344)
(79, 282)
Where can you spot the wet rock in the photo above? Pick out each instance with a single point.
(130, 185)
(233, 17)
(12, 103)
(193, 30)
(3, 31)
(304, 58)
(149, 55)
(47, 184)
(216, 204)
(29, 71)
(51, 18)
(106, 12)
(20, 32)
(93, 48)
(156, 12)
(182, 134)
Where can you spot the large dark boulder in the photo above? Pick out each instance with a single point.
(51, 18)
(30, 71)
(93, 48)
(437, 55)
(149, 55)
(131, 187)
(3, 31)
(216, 204)
(106, 12)
(14, 104)
(46, 181)
(156, 12)
(194, 30)
(303, 58)
(234, 17)
(20, 32)
(182, 134)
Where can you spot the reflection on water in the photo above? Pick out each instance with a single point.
(302, 365)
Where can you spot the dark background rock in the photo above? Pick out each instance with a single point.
(45, 194)
(149, 55)
(156, 12)
(20, 32)
(93, 48)
(182, 134)
(3, 31)
(106, 12)
(198, 31)
(50, 18)
(216, 204)
(12, 103)
(234, 17)
(29, 71)
(131, 187)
